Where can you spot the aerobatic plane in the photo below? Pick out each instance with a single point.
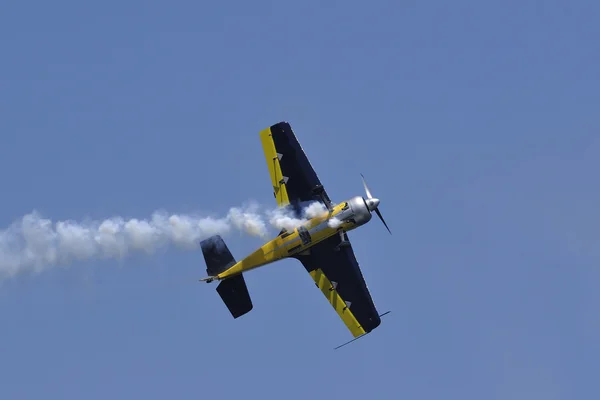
(320, 244)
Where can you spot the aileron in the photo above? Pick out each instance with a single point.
(277, 179)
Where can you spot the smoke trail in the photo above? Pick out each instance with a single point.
(35, 243)
(334, 222)
(284, 218)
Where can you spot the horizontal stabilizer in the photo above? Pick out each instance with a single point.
(234, 293)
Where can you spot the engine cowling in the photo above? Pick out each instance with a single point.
(359, 210)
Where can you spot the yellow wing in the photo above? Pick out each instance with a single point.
(293, 178)
(277, 179)
(337, 274)
(339, 305)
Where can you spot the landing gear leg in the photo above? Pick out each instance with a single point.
(343, 243)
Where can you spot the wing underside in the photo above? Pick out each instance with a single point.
(293, 178)
(337, 274)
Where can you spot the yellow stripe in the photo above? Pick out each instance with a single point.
(337, 302)
(279, 188)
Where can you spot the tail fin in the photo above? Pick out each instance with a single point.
(216, 254)
(233, 291)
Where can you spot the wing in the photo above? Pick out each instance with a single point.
(293, 178)
(336, 272)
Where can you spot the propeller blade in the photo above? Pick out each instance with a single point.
(366, 187)
(382, 220)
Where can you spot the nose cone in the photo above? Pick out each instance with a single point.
(372, 203)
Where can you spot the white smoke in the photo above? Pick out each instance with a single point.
(315, 209)
(334, 222)
(35, 243)
(284, 218)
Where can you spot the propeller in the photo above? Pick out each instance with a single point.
(373, 203)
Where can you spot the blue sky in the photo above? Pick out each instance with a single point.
(476, 124)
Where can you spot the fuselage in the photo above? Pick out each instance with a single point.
(342, 217)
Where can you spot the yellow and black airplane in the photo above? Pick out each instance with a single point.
(320, 244)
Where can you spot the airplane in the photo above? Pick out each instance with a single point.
(321, 244)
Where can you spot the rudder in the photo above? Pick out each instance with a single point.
(233, 291)
(216, 255)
